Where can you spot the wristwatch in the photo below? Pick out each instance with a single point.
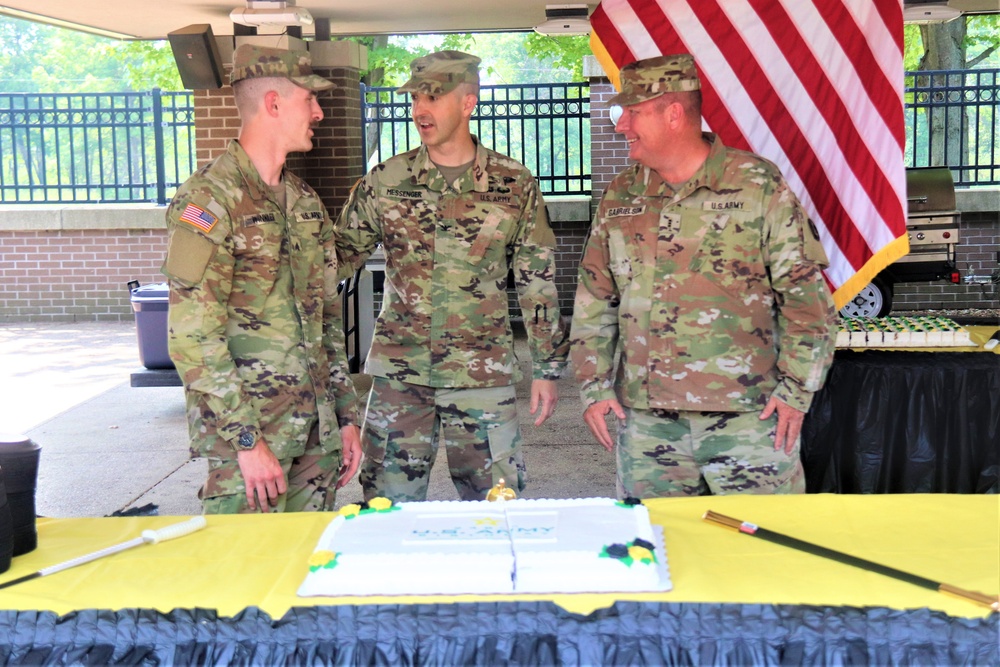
(246, 440)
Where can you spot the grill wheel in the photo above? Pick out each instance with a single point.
(874, 300)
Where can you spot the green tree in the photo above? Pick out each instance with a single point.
(145, 64)
(520, 57)
(963, 44)
(37, 58)
(564, 53)
(507, 58)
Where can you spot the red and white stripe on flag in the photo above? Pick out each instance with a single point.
(815, 86)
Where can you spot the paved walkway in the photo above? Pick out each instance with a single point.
(107, 446)
(45, 369)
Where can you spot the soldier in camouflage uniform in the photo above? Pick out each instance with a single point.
(255, 324)
(452, 217)
(702, 320)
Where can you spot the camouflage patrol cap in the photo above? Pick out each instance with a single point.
(647, 79)
(251, 62)
(441, 72)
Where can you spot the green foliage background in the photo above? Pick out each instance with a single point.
(37, 58)
(41, 58)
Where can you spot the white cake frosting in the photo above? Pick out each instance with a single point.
(537, 546)
(894, 332)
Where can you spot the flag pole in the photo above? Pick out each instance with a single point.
(817, 550)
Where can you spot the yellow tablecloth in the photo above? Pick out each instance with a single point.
(241, 561)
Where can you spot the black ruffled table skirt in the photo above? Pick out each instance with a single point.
(905, 422)
(500, 633)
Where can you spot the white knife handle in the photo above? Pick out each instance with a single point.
(176, 530)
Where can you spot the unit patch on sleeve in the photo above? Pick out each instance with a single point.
(198, 217)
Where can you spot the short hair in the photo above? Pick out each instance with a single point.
(469, 88)
(248, 93)
(690, 102)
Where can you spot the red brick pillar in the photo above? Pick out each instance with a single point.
(608, 150)
(336, 160)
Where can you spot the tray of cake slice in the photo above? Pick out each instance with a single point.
(921, 331)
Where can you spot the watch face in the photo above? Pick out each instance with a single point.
(247, 440)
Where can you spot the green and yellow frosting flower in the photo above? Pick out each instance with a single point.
(322, 559)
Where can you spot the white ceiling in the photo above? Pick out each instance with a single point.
(153, 19)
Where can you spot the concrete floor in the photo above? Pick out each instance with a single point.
(107, 446)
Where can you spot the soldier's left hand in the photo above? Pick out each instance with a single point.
(544, 396)
(789, 423)
(350, 436)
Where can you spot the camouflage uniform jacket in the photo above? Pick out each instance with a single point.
(448, 249)
(256, 326)
(710, 297)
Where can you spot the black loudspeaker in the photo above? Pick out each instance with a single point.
(197, 56)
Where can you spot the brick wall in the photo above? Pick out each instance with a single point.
(60, 274)
(570, 237)
(73, 275)
(975, 255)
(608, 150)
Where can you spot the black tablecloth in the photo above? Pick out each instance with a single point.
(905, 422)
(501, 633)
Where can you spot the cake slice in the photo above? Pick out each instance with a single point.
(843, 335)
(584, 545)
(413, 549)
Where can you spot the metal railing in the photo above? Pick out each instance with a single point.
(545, 127)
(138, 147)
(95, 147)
(953, 119)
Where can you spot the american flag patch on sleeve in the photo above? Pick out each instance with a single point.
(199, 217)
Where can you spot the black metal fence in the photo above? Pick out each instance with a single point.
(95, 147)
(138, 147)
(545, 127)
(953, 119)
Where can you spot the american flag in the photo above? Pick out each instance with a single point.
(815, 86)
(199, 217)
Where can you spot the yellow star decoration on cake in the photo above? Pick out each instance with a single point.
(486, 521)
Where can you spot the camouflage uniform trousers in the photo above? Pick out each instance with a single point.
(662, 453)
(311, 477)
(404, 423)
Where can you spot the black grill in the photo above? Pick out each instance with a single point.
(932, 223)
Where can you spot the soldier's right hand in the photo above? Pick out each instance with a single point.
(263, 475)
(594, 417)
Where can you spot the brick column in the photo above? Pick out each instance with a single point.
(608, 150)
(335, 162)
